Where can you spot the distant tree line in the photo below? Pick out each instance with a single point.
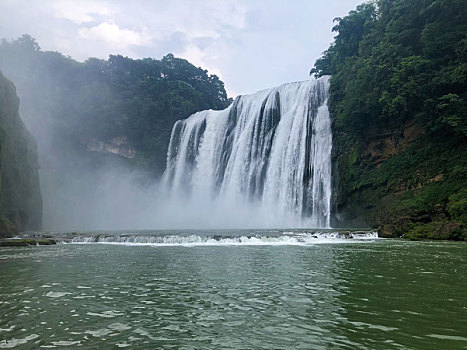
(102, 99)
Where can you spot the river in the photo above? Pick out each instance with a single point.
(234, 290)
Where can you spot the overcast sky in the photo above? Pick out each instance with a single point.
(250, 44)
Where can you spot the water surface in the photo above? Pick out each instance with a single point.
(308, 293)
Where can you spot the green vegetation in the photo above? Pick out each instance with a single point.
(25, 242)
(399, 107)
(20, 197)
(139, 100)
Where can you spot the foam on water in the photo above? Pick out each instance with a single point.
(285, 239)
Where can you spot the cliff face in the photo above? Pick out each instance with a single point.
(361, 197)
(119, 146)
(20, 197)
(385, 143)
(403, 182)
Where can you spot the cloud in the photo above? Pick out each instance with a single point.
(80, 11)
(110, 32)
(200, 58)
(250, 45)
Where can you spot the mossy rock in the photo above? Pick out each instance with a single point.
(438, 230)
(14, 243)
(29, 241)
(46, 241)
(395, 227)
(25, 242)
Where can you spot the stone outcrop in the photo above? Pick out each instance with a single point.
(360, 197)
(383, 144)
(402, 181)
(118, 145)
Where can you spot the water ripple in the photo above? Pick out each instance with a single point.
(257, 297)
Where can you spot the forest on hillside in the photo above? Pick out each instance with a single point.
(71, 102)
(399, 107)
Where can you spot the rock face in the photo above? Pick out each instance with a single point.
(20, 196)
(117, 145)
(383, 144)
(404, 182)
(359, 198)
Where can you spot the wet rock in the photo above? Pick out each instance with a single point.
(25, 242)
(7, 228)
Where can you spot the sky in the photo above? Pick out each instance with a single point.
(250, 44)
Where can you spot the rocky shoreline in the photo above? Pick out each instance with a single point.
(25, 242)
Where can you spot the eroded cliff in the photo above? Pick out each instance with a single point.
(403, 182)
(20, 196)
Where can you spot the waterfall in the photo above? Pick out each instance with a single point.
(268, 154)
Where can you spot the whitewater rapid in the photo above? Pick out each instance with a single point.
(286, 238)
(267, 155)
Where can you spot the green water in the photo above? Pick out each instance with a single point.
(373, 294)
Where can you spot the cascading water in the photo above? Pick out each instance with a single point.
(269, 152)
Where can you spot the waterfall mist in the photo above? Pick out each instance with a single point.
(263, 162)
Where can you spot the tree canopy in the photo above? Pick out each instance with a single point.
(137, 98)
(399, 67)
(395, 59)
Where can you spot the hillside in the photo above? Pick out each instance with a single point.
(102, 126)
(399, 108)
(117, 106)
